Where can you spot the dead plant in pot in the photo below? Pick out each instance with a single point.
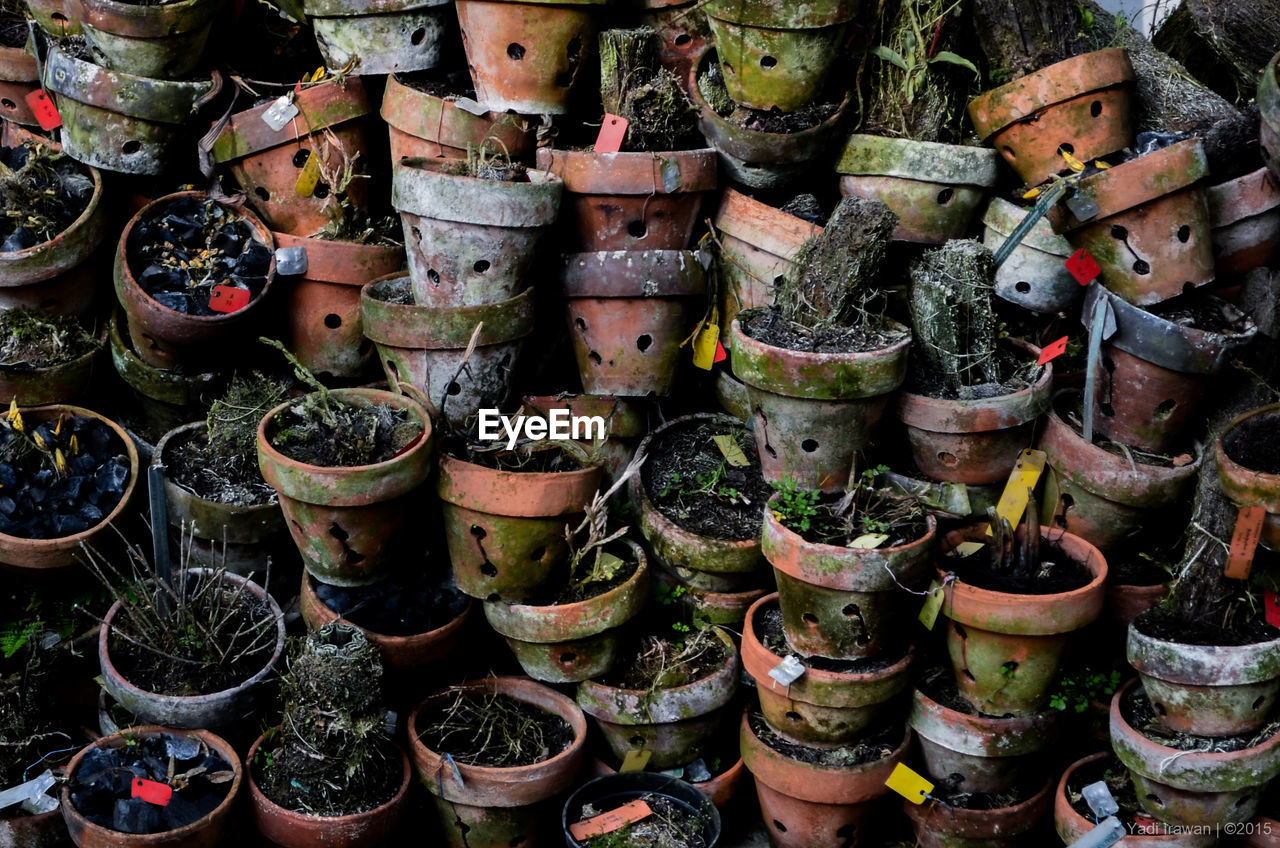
(46, 358)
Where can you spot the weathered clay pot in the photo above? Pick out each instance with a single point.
(1245, 216)
(492, 807)
(56, 383)
(630, 201)
(1005, 648)
(571, 642)
(118, 121)
(937, 826)
(723, 606)
(1126, 601)
(267, 163)
(1100, 495)
(845, 603)
(683, 34)
(351, 524)
(190, 712)
(776, 54)
(806, 805)
(610, 790)
(812, 412)
(1268, 100)
(426, 126)
(1192, 787)
(382, 36)
(525, 55)
(934, 189)
(291, 829)
(1033, 276)
(470, 241)
(1245, 486)
(629, 313)
(731, 393)
(505, 529)
(675, 723)
(822, 708)
(58, 18)
(1082, 105)
(62, 551)
(45, 830)
(19, 76)
(625, 425)
(216, 828)
(322, 307)
(161, 42)
(425, 347)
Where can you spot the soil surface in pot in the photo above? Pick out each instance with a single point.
(1137, 568)
(669, 825)
(183, 250)
(832, 520)
(1161, 624)
(321, 430)
(525, 458)
(1055, 572)
(769, 327)
(59, 478)
(1016, 373)
(939, 684)
(199, 779)
(31, 339)
(873, 746)
(396, 607)
(665, 663)
(1116, 776)
(446, 86)
(42, 192)
(691, 482)
(1197, 312)
(711, 87)
(1252, 444)
(13, 28)
(769, 630)
(485, 164)
(1137, 711)
(1024, 791)
(495, 731)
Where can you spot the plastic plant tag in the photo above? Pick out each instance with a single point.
(279, 114)
(867, 541)
(228, 299)
(151, 791)
(1109, 831)
(635, 760)
(1271, 608)
(965, 549)
(932, 605)
(788, 671)
(470, 106)
(1098, 796)
(291, 261)
(704, 345)
(26, 791)
(732, 452)
(615, 819)
(1244, 542)
(612, 132)
(1052, 351)
(454, 771)
(721, 353)
(908, 784)
(1022, 482)
(1083, 267)
(308, 177)
(697, 771)
(44, 109)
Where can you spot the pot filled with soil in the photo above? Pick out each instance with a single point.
(625, 425)
(1033, 276)
(375, 37)
(1245, 216)
(679, 813)
(493, 753)
(425, 119)
(19, 76)
(965, 819)
(1249, 468)
(162, 41)
(46, 358)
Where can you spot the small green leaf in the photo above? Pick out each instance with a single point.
(953, 59)
(889, 55)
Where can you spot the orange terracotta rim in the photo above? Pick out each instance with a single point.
(1241, 484)
(517, 494)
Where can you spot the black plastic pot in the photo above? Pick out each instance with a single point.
(614, 790)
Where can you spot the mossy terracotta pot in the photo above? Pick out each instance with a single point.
(422, 125)
(934, 189)
(54, 383)
(162, 399)
(1126, 601)
(506, 529)
(938, 826)
(1268, 100)
(813, 412)
(380, 36)
(625, 424)
(683, 34)
(1245, 216)
(725, 606)
(19, 76)
(161, 42)
(1034, 275)
(351, 524)
(1246, 486)
(845, 603)
(58, 18)
(1083, 105)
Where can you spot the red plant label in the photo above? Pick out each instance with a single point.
(1271, 607)
(152, 792)
(43, 108)
(1244, 542)
(228, 299)
(1083, 267)
(612, 132)
(615, 819)
(721, 353)
(1052, 351)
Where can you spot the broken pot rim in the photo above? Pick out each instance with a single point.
(1246, 196)
(342, 256)
(66, 249)
(1240, 483)
(1136, 182)
(629, 173)
(1002, 218)
(178, 493)
(423, 186)
(632, 274)
(927, 161)
(1201, 665)
(982, 415)
(410, 111)
(515, 494)
(321, 106)
(415, 327)
(979, 735)
(762, 226)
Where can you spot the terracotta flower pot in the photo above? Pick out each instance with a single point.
(571, 642)
(1126, 601)
(1245, 216)
(812, 412)
(934, 189)
(350, 523)
(937, 826)
(525, 55)
(683, 34)
(470, 241)
(160, 42)
(840, 602)
(1246, 486)
(822, 708)
(19, 76)
(1005, 647)
(58, 18)
(1083, 105)
(675, 723)
(422, 125)
(1264, 832)
(625, 425)
(731, 393)
(505, 529)
(322, 307)
(291, 829)
(425, 347)
(492, 807)
(630, 201)
(776, 54)
(726, 606)
(1268, 100)
(805, 805)
(610, 790)
(118, 121)
(55, 383)
(629, 313)
(1033, 276)
(1100, 495)
(383, 36)
(44, 830)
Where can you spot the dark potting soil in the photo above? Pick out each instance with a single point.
(711, 86)
(806, 207)
(613, 573)
(335, 434)
(496, 731)
(1201, 313)
(101, 786)
(1161, 624)
(395, 607)
(1130, 569)
(662, 663)
(670, 825)
(1016, 373)
(42, 191)
(1253, 444)
(690, 482)
(42, 497)
(192, 465)
(769, 327)
(1137, 710)
(939, 684)
(185, 248)
(523, 459)
(988, 800)
(32, 338)
(13, 31)
(445, 86)
(772, 634)
(1057, 573)
(874, 745)
(899, 518)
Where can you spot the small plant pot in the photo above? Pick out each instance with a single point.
(934, 189)
(159, 42)
(58, 18)
(629, 312)
(322, 307)
(1005, 648)
(381, 36)
(822, 708)
(351, 524)
(613, 791)
(1245, 486)
(422, 125)
(1125, 602)
(43, 830)
(427, 347)
(805, 804)
(726, 607)
(776, 54)
(215, 828)
(525, 55)
(1033, 276)
(53, 384)
(1268, 100)
(121, 122)
(683, 35)
(1151, 235)
(1099, 495)
(813, 412)
(630, 201)
(571, 642)
(291, 829)
(505, 529)
(937, 826)
(1083, 105)
(492, 807)
(845, 603)
(470, 241)
(1245, 216)
(625, 426)
(19, 76)
(674, 723)
(330, 123)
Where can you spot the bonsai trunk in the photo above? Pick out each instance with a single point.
(627, 58)
(1023, 36)
(1223, 43)
(951, 314)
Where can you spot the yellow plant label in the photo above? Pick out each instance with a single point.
(869, 540)
(309, 176)
(732, 453)
(704, 345)
(932, 605)
(1022, 482)
(908, 784)
(965, 549)
(635, 760)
